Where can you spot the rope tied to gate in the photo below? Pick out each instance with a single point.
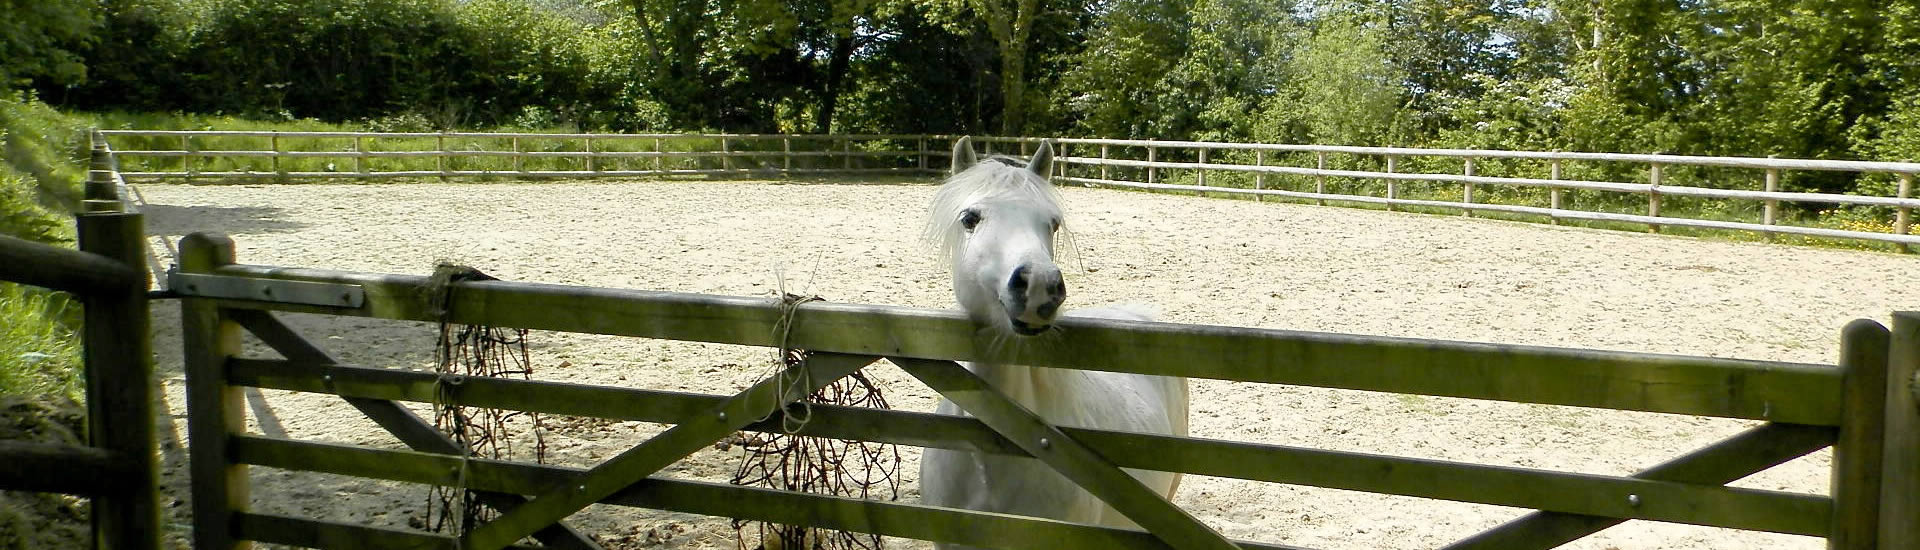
(462, 353)
(790, 364)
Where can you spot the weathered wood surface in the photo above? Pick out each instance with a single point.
(215, 410)
(1858, 452)
(307, 533)
(117, 353)
(409, 428)
(67, 270)
(1739, 456)
(70, 469)
(1466, 482)
(635, 464)
(1067, 456)
(1900, 478)
(714, 499)
(1784, 392)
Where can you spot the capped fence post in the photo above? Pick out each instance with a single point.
(117, 352)
(1653, 198)
(1259, 178)
(1900, 476)
(1467, 194)
(1858, 452)
(1553, 195)
(1770, 215)
(1393, 185)
(214, 409)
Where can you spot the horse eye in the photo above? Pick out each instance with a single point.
(1056, 225)
(969, 219)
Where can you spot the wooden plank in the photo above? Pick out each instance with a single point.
(70, 469)
(1900, 478)
(1785, 392)
(1064, 454)
(1504, 486)
(409, 428)
(117, 352)
(642, 460)
(215, 410)
(1857, 453)
(307, 533)
(1739, 456)
(67, 270)
(714, 499)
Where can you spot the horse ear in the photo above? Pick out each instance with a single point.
(963, 155)
(1042, 163)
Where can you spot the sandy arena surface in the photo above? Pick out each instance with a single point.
(1196, 260)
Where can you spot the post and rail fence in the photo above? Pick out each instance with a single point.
(1867, 407)
(626, 155)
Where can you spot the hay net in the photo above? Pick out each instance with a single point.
(464, 352)
(785, 459)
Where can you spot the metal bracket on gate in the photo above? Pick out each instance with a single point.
(266, 290)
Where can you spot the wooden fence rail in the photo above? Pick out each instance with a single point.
(912, 153)
(1808, 407)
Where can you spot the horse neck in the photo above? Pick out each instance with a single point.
(1019, 382)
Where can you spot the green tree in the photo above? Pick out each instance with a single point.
(39, 39)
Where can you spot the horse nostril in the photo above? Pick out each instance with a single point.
(1059, 289)
(1018, 283)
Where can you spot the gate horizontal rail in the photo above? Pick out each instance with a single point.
(1759, 390)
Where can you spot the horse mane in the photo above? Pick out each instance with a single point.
(994, 177)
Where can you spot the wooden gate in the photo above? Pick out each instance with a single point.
(1806, 407)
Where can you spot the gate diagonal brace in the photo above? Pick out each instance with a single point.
(397, 420)
(1744, 454)
(1072, 459)
(634, 465)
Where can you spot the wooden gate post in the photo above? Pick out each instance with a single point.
(1900, 476)
(1858, 452)
(215, 410)
(117, 353)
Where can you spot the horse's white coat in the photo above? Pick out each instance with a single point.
(991, 218)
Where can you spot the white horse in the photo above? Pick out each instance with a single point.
(996, 221)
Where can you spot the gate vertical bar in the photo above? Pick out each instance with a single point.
(1858, 452)
(1553, 195)
(117, 352)
(214, 409)
(1900, 476)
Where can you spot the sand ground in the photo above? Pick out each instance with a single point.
(1195, 260)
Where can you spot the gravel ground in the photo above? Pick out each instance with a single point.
(1195, 260)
